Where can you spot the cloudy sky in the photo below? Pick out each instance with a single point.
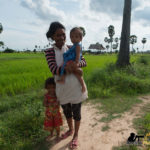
(25, 22)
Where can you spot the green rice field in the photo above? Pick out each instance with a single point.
(20, 72)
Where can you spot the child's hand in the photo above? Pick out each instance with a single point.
(71, 67)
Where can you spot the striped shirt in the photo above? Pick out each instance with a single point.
(51, 60)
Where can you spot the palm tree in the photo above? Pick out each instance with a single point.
(1, 28)
(111, 32)
(107, 47)
(123, 57)
(36, 46)
(143, 41)
(133, 40)
(83, 30)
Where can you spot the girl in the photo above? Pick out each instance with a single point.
(74, 54)
(69, 94)
(53, 119)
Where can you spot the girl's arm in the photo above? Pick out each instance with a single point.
(50, 57)
(82, 62)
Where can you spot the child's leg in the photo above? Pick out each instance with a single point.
(78, 73)
(51, 134)
(58, 138)
(58, 131)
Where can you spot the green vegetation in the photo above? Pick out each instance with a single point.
(22, 77)
(22, 72)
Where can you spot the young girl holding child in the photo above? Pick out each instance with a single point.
(74, 54)
(53, 119)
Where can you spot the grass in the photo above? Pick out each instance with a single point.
(105, 128)
(22, 126)
(22, 78)
(20, 73)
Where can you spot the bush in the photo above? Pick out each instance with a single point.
(109, 81)
(8, 50)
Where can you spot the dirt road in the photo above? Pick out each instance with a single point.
(91, 136)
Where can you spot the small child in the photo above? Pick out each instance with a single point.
(53, 119)
(74, 54)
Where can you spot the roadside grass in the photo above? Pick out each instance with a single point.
(22, 126)
(105, 128)
(114, 107)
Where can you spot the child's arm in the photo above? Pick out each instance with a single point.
(78, 49)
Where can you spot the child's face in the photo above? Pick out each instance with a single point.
(51, 88)
(75, 37)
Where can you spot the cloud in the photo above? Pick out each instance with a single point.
(111, 7)
(44, 9)
(142, 15)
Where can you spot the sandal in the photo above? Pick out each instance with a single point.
(66, 134)
(74, 144)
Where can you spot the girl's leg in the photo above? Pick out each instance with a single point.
(58, 131)
(77, 117)
(78, 74)
(51, 134)
(58, 134)
(76, 108)
(68, 114)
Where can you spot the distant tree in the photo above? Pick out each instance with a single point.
(111, 32)
(34, 50)
(8, 50)
(36, 47)
(107, 47)
(123, 57)
(143, 41)
(1, 28)
(1, 43)
(83, 30)
(133, 40)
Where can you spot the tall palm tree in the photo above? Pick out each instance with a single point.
(111, 32)
(107, 47)
(133, 40)
(83, 30)
(144, 41)
(123, 57)
(1, 28)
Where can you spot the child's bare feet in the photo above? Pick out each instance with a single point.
(49, 137)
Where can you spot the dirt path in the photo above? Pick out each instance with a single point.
(91, 136)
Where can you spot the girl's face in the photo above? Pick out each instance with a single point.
(59, 37)
(51, 89)
(75, 37)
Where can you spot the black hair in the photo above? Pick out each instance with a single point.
(49, 81)
(77, 29)
(52, 29)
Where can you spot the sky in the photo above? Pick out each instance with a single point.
(25, 22)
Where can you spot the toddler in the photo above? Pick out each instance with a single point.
(53, 119)
(74, 54)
